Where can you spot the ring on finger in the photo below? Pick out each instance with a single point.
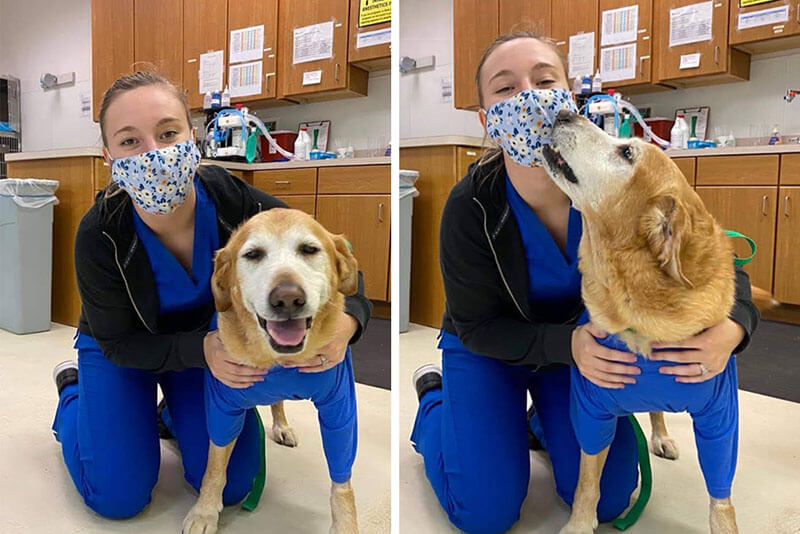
(323, 359)
(703, 370)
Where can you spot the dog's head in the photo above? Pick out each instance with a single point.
(600, 174)
(278, 270)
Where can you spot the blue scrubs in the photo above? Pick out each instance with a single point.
(713, 405)
(472, 433)
(106, 423)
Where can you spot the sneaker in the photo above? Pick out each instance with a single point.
(163, 430)
(426, 378)
(65, 373)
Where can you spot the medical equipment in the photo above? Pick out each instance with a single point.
(228, 132)
(610, 109)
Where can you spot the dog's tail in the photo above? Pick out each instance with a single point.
(763, 299)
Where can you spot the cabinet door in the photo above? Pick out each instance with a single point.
(287, 181)
(644, 57)
(775, 20)
(332, 72)
(751, 211)
(204, 30)
(158, 38)
(247, 13)
(464, 158)
(715, 56)
(374, 57)
(525, 15)
(686, 165)
(364, 220)
(787, 253)
(571, 18)
(112, 45)
(790, 169)
(475, 26)
(306, 203)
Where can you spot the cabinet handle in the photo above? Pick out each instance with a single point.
(380, 212)
(764, 205)
(798, 13)
(336, 72)
(641, 65)
(282, 182)
(786, 206)
(716, 55)
(471, 153)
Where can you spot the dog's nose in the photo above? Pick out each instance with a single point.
(564, 116)
(287, 298)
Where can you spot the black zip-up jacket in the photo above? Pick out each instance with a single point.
(119, 299)
(485, 276)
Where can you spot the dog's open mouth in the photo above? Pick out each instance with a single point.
(286, 336)
(556, 161)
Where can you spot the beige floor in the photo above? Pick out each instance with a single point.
(766, 490)
(37, 495)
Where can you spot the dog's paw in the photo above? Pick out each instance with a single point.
(723, 519)
(574, 528)
(285, 436)
(200, 521)
(664, 447)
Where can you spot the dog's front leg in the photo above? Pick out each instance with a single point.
(203, 517)
(661, 444)
(723, 517)
(343, 509)
(281, 431)
(587, 494)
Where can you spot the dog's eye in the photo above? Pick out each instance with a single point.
(308, 250)
(254, 254)
(626, 152)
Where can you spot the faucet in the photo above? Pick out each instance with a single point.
(790, 94)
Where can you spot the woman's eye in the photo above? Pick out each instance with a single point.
(169, 134)
(308, 250)
(503, 90)
(626, 152)
(546, 82)
(254, 254)
(127, 142)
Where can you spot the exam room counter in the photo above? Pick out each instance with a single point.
(350, 196)
(753, 189)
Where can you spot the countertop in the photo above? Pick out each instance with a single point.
(89, 151)
(734, 151)
(439, 140)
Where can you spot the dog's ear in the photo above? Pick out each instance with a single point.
(663, 227)
(346, 265)
(221, 280)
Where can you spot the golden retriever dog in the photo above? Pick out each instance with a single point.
(656, 267)
(278, 286)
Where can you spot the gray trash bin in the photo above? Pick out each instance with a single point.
(407, 194)
(26, 254)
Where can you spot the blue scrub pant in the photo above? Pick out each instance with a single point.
(106, 424)
(473, 438)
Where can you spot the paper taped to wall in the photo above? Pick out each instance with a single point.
(312, 43)
(245, 79)
(581, 54)
(763, 17)
(691, 24)
(247, 44)
(619, 25)
(618, 63)
(210, 73)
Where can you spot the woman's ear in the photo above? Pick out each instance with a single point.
(482, 119)
(346, 266)
(221, 281)
(107, 157)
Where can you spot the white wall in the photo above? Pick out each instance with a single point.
(426, 28)
(38, 36)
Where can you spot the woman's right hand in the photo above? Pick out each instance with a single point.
(224, 369)
(600, 365)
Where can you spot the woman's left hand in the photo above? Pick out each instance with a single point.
(332, 353)
(704, 356)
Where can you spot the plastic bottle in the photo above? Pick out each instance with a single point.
(776, 137)
(586, 85)
(677, 137)
(685, 128)
(215, 100)
(597, 83)
(576, 85)
(207, 100)
(226, 98)
(301, 144)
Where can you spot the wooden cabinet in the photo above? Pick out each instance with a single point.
(787, 253)
(716, 63)
(158, 38)
(375, 57)
(359, 179)
(306, 203)
(790, 169)
(112, 45)
(778, 26)
(751, 211)
(205, 24)
(687, 167)
(465, 156)
(247, 13)
(287, 181)
(322, 78)
(737, 170)
(571, 18)
(525, 15)
(475, 26)
(364, 220)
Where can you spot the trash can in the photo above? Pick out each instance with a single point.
(26, 254)
(407, 194)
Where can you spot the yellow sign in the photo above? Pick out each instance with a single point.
(374, 12)
(748, 3)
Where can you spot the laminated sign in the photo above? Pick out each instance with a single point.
(374, 12)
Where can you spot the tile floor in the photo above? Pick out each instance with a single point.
(37, 495)
(766, 489)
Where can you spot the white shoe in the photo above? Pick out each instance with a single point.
(426, 377)
(67, 371)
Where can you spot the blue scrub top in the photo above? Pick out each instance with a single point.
(177, 290)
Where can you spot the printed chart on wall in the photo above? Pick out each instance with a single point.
(372, 12)
(581, 54)
(619, 26)
(763, 17)
(691, 24)
(312, 43)
(245, 79)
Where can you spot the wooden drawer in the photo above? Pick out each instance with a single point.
(287, 181)
(306, 203)
(356, 179)
(737, 170)
(790, 169)
(686, 165)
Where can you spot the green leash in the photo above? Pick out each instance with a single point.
(622, 523)
(743, 261)
(254, 496)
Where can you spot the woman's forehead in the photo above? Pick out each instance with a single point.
(142, 106)
(519, 55)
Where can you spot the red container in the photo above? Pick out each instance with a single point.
(284, 138)
(661, 127)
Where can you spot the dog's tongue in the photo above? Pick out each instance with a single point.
(289, 332)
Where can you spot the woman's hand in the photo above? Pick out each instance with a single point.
(599, 364)
(704, 356)
(224, 369)
(332, 353)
